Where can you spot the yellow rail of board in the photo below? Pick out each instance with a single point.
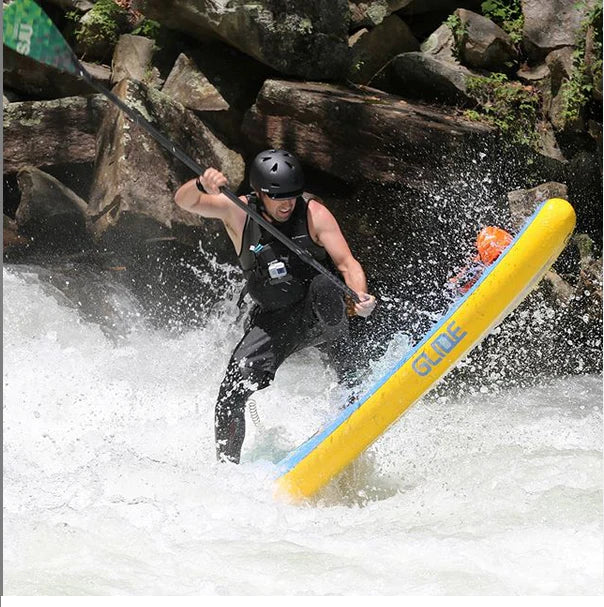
(500, 289)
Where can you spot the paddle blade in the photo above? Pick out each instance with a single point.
(29, 31)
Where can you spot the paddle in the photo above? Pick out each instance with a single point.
(29, 31)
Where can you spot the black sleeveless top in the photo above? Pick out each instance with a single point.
(259, 250)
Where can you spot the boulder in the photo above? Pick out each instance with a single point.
(369, 13)
(560, 65)
(132, 58)
(484, 44)
(10, 234)
(189, 86)
(373, 49)
(49, 212)
(47, 133)
(423, 76)
(295, 38)
(365, 134)
(101, 73)
(522, 203)
(551, 24)
(237, 79)
(132, 196)
(547, 144)
(441, 45)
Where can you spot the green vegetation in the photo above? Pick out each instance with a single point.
(507, 14)
(587, 70)
(459, 30)
(510, 106)
(147, 28)
(103, 23)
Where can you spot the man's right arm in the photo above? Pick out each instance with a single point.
(211, 203)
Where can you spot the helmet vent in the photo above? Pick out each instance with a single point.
(274, 167)
(289, 164)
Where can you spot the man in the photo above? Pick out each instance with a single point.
(296, 306)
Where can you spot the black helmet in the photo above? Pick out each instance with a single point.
(278, 174)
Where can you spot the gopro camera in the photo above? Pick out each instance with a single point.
(277, 271)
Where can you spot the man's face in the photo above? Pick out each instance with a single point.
(279, 210)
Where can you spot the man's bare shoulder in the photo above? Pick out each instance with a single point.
(318, 212)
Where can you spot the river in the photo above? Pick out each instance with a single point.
(111, 485)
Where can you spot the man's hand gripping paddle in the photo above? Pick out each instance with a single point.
(29, 31)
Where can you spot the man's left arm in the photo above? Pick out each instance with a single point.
(325, 231)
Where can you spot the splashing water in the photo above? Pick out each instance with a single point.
(111, 484)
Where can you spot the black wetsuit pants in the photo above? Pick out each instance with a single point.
(272, 336)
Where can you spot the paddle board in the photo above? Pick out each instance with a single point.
(498, 291)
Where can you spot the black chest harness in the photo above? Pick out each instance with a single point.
(276, 277)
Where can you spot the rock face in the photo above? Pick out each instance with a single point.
(484, 45)
(363, 135)
(307, 39)
(369, 13)
(441, 45)
(524, 202)
(372, 49)
(10, 234)
(131, 58)
(46, 133)
(135, 178)
(551, 24)
(187, 85)
(426, 77)
(49, 212)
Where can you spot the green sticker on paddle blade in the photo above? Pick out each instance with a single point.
(29, 31)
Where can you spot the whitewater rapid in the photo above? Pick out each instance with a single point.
(111, 485)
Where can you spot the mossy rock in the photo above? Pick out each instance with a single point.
(99, 30)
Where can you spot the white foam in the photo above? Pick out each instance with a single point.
(111, 487)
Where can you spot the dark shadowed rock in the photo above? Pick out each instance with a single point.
(373, 49)
(522, 203)
(49, 212)
(236, 77)
(10, 234)
(33, 79)
(307, 39)
(135, 181)
(423, 76)
(45, 133)
(365, 134)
